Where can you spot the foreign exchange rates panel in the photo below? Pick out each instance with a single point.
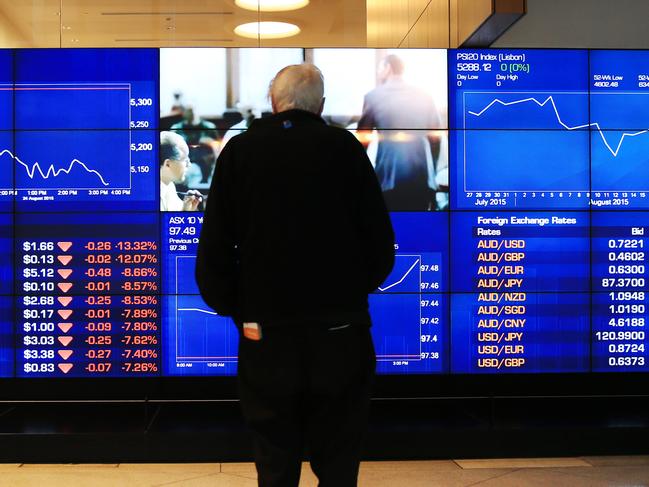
(409, 310)
(521, 285)
(619, 110)
(520, 120)
(85, 123)
(197, 340)
(619, 246)
(87, 294)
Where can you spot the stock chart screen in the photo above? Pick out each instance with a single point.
(619, 129)
(198, 341)
(84, 129)
(515, 179)
(520, 129)
(409, 309)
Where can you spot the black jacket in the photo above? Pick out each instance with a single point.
(295, 226)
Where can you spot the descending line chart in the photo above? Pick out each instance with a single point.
(200, 310)
(550, 99)
(529, 143)
(524, 142)
(202, 336)
(83, 126)
(51, 170)
(71, 160)
(52, 151)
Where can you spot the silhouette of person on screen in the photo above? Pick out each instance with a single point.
(403, 114)
(295, 236)
(174, 163)
(195, 129)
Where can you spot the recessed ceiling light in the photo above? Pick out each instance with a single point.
(266, 30)
(271, 5)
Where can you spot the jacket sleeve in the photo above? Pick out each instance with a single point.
(216, 262)
(366, 122)
(376, 232)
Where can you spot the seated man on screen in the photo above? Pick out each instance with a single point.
(194, 128)
(174, 163)
(248, 116)
(403, 114)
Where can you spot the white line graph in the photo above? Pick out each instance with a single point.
(178, 309)
(404, 276)
(550, 99)
(51, 171)
(199, 310)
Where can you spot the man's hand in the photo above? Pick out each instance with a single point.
(191, 200)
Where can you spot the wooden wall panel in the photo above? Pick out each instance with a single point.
(438, 23)
(466, 16)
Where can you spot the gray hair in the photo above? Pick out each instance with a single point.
(297, 86)
(170, 144)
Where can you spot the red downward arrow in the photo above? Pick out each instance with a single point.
(65, 368)
(64, 286)
(64, 313)
(64, 273)
(65, 354)
(64, 246)
(64, 259)
(65, 327)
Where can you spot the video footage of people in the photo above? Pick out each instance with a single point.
(394, 101)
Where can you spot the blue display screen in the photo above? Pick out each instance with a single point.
(6, 299)
(619, 128)
(520, 213)
(521, 138)
(521, 292)
(410, 308)
(85, 129)
(87, 294)
(198, 341)
(619, 285)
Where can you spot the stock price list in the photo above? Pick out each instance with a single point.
(620, 291)
(520, 301)
(87, 300)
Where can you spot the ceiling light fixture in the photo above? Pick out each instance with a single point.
(271, 5)
(266, 30)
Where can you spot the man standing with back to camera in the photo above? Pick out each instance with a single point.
(295, 236)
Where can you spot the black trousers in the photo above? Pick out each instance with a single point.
(307, 387)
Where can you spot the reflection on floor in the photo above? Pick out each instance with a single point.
(555, 472)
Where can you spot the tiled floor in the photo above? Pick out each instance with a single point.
(553, 472)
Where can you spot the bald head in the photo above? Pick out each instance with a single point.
(298, 86)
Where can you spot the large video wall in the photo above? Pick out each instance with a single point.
(517, 182)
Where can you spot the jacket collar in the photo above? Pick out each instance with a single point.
(294, 116)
